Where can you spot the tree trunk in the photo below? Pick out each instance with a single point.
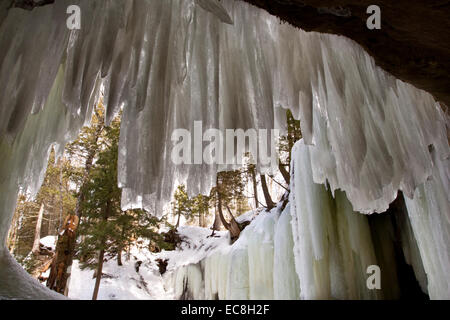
(285, 173)
(269, 202)
(101, 255)
(58, 277)
(255, 186)
(99, 274)
(119, 257)
(61, 269)
(235, 229)
(201, 218)
(233, 226)
(178, 221)
(216, 223)
(61, 199)
(221, 216)
(37, 233)
(120, 248)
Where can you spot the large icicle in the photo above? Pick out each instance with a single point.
(169, 63)
(332, 244)
(429, 213)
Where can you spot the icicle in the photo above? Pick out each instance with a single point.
(332, 244)
(285, 280)
(429, 213)
(216, 9)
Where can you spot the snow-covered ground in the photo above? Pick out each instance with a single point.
(121, 282)
(124, 283)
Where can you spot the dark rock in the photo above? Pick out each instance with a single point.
(413, 43)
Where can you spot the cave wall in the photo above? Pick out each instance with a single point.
(412, 44)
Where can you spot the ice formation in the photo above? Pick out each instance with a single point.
(264, 263)
(248, 269)
(429, 213)
(169, 63)
(319, 248)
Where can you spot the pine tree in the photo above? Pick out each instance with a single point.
(200, 209)
(100, 204)
(182, 204)
(286, 144)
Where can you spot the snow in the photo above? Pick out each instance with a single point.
(49, 242)
(147, 284)
(124, 284)
(15, 282)
(196, 245)
(170, 63)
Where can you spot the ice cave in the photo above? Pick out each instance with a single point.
(370, 178)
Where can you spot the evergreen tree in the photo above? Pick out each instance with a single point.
(182, 204)
(200, 209)
(286, 144)
(101, 204)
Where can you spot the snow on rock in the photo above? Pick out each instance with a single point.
(49, 242)
(196, 245)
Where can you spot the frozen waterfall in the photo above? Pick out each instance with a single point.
(169, 63)
(319, 248)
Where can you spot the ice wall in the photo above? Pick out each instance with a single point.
(329, 238)
(287, 255)
(332, 244)
(429, 214)
(227, 64)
